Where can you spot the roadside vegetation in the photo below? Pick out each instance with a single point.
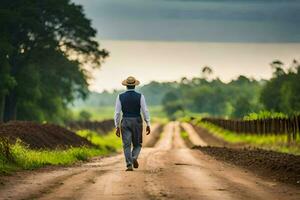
(185, 136)
(18, 156)
(264, 115)
(270, 142)
(108, 143)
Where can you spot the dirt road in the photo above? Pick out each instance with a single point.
(169, 170)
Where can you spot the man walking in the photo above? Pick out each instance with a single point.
(132, 104)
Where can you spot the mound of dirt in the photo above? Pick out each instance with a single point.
(278, 166)
(37, 136)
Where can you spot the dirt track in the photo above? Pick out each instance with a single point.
(169, 170)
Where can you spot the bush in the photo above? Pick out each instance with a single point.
(5, 150)
(84, 116)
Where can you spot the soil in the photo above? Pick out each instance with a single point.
(169, 170)
(278, 166)
(155, 135)
(37, 136)
(209, 138)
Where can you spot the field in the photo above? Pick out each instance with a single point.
(97, 113)
(107, 112)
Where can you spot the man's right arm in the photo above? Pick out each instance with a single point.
(117, 117)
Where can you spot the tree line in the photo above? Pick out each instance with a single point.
(211, 96)
(43, 48)
(239, 97)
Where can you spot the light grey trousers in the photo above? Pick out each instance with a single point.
(132, 133)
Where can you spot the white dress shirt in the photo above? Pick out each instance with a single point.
(144, 111)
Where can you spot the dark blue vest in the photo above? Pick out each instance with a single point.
(131, 103)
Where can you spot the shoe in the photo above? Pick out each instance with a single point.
(129, 168)
(135, 163)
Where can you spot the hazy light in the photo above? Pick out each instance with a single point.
(169, 61)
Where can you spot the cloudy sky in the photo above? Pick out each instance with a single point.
(147, 37)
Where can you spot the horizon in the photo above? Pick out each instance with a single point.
(228, 61)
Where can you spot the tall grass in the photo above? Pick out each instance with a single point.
(108, 143)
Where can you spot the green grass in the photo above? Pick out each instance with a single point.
(19, 156)
(109, 142)
(97, 113)
(184, 135)
(264, 115)
(271, 142)
(25, 158)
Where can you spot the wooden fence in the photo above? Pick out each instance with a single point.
(288, 126)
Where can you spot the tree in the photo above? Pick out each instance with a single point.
(242, 107)
(84, 115)
(282, 92)
(172, 104)
(277, 65)
(206, 71)
(50, 42)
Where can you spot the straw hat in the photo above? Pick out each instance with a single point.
(130, 81)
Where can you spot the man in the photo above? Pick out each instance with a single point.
(131, 103)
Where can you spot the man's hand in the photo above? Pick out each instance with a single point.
(148, 130)
(118, 131)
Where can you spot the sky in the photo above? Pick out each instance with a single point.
(167, 39)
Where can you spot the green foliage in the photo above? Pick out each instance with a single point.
(282, 92)
(264, 115)
(187, 97)
(42, 54)
(242, 106)
(30, 159)
(172, 105)
(213, 97)
(108, 143)
(84, 115)
(98, 113)
(5, 151)
(154, 93)
(184, 135)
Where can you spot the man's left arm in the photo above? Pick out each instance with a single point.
(145, 113)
